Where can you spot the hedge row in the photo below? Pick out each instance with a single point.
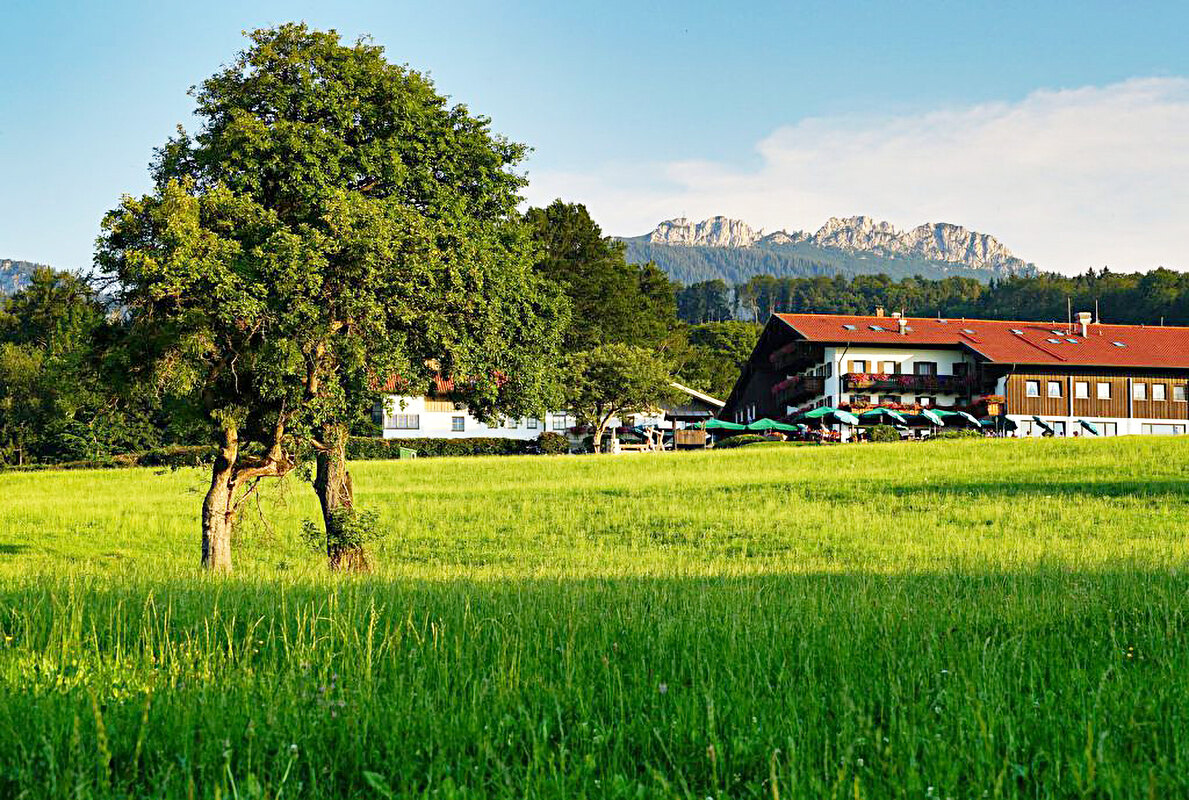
(191, 456)
(368, 448)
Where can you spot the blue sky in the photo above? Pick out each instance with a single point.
(1055, 127)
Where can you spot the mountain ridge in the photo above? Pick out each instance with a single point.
(727, 248)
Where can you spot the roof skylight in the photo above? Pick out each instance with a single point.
(967, 330)
(1118, 344)
(1053, 341)
(1017, 331)
(849, 327)
(1072, 341)
(876, 327)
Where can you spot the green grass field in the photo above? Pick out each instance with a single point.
(942, 620)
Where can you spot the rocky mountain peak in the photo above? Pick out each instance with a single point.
(713, 232)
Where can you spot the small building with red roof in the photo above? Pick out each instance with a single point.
(1034, 378)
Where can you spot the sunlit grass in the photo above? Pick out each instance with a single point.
(945, 619)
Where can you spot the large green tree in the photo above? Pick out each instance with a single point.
(334, 228)
(612, 301)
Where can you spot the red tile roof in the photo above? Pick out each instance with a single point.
(1142, 346)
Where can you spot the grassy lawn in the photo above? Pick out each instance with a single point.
(950, 619)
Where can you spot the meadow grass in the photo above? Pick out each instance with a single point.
(951, 619)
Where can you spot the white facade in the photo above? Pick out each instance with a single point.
(879, 359)
(434, 418)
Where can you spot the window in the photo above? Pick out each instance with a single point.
(1053, 341)
(1158, 392)
(1139, 391)
(925, 368)
(967, 330)
(439, 404)
(1104, 390)
(875, 327)
(1058, 427)
(888, 367)
(1118, 344)
(889, 398)
(1107, 428)
(1072, 341)
(1054, 388)
(458, 423)
(848, 327)
(403, 422)
(925, 400)
(1081, 390)
(1178, 394)
(532, 423)
(959, 369)
(513, 424)
(858, 366)
(1032, 388)
(1017, 331)
(829, 369)
(1163, 429)
(559, 422)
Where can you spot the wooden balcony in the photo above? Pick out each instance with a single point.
(930, 384)
(798, 387)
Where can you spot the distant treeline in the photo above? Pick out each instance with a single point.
(1160, 295)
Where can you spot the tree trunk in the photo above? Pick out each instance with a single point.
(336, 495)
(218, 508)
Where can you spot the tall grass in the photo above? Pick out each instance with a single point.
(967, 619)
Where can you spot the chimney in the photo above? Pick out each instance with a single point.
(1084, 318)
(879, 311)
(903, 323)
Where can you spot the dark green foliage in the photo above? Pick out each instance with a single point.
(714, 354)
(740, 440)
(348, 528)
(695, 264)
(612, 301)
(55, 402)
(361, 448)
(883, 433)
(708, 301)
(552, 444)
(960, 433)
(1133, 298)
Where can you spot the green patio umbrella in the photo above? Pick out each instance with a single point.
(931, 416)
(1044, 425)
(722, 425)
(880, 414)
(764, 424)
(1089, 426)
(826, 413)
(962, 415)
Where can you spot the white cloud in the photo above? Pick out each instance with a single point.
(1067, 179)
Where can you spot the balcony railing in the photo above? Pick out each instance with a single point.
(938, 384)
(798, 386)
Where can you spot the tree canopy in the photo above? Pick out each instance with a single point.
(333, 228)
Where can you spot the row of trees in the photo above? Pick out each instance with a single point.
(1160, 295)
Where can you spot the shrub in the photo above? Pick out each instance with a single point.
(740, 440)
(883, 433)
(552, 444)
(370, 448)
(962, 433)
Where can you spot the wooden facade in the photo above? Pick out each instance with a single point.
(1120, 404)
